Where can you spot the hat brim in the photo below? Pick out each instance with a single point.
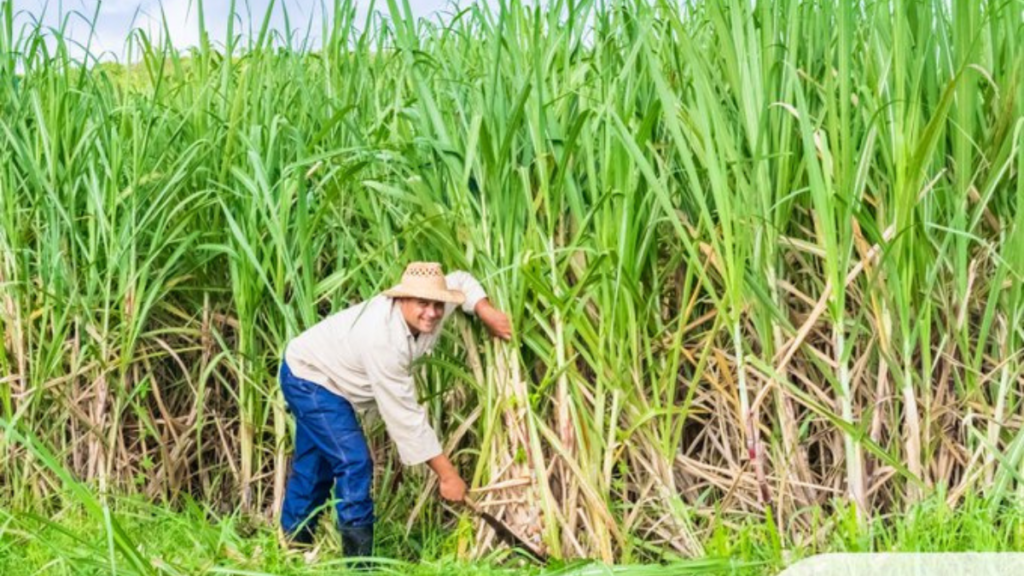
(448, 296)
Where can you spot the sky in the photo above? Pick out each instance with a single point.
(115, 18)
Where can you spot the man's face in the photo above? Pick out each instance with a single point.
(421, 315)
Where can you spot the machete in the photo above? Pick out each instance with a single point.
(505, 533)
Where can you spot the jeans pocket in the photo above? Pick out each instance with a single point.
(298, 393)
(301, 386)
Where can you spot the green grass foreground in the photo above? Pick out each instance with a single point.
(193, 540)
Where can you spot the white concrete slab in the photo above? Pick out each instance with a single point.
(910, 564)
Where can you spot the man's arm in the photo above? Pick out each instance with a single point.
(465, 282)
(495, 320)
(406, 420)
(395, 392)
(452, 486)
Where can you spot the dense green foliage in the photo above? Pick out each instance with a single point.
(194, 541)
(763, 259)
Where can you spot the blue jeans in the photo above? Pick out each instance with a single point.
(330, 449)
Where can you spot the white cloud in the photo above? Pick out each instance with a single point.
(116, 18)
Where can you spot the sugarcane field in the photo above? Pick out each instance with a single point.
(547, 287)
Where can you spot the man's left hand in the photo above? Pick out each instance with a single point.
(496, 321)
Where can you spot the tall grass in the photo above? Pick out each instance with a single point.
(760, 258)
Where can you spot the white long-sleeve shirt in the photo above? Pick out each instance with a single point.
(364, 354)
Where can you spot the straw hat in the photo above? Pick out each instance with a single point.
(425, 280)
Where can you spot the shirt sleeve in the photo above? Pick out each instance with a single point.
(465, 282)
(395, 392)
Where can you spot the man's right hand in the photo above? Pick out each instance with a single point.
(453, 488)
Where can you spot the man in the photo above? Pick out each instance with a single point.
(355, 360)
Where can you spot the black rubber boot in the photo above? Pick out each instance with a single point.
(357, 542)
